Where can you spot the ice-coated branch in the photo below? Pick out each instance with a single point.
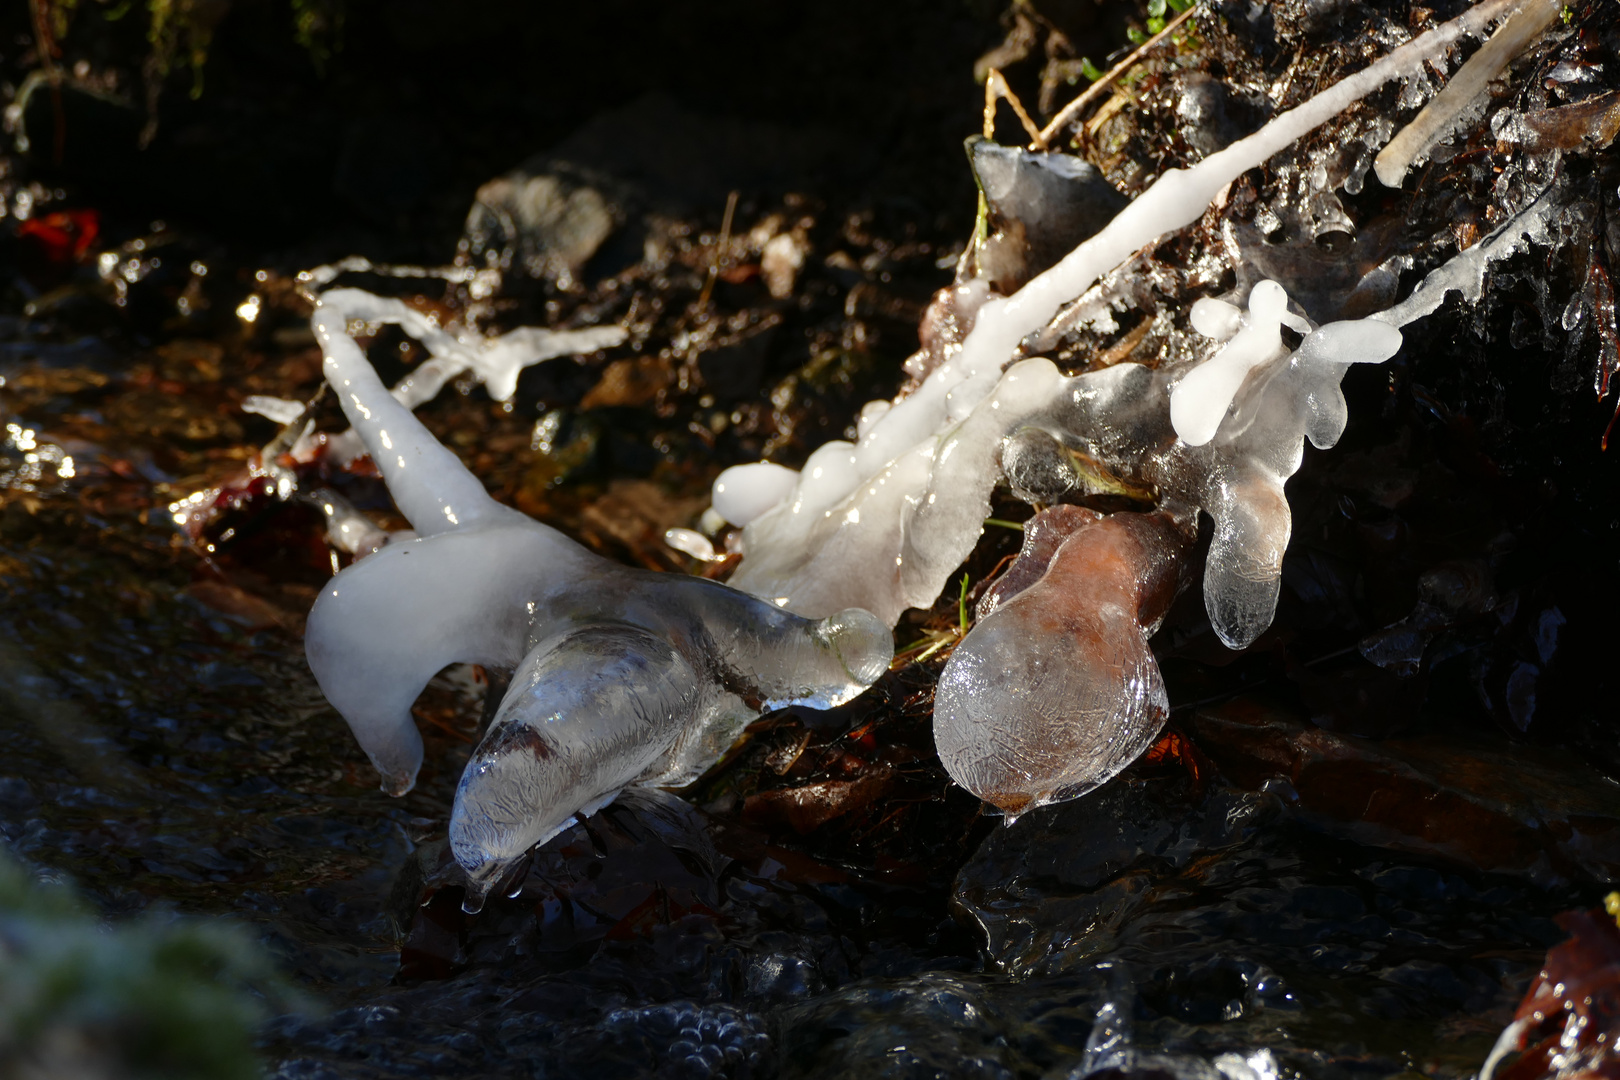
(429, 483)
(1440, 116)
(890, 516)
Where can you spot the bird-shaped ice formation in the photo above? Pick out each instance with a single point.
(621, 676)
(1055, 690)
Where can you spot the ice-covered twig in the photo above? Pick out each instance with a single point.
(496, 362)
(1440, 116)
(1180, 196)
(1465, 271)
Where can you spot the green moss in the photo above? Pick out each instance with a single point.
(155, 996)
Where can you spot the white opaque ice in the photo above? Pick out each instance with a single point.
(281, 410)
(1215, 318)
(1201, 399)
(693, 543)
(743, 492)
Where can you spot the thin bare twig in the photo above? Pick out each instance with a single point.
(996, 88)
(719, 251)
(1073, 109)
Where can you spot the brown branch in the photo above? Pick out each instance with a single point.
(995, 89)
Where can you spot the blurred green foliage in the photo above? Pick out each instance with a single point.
(180, 31)
(153, 997)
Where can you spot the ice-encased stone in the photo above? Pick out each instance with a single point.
(1055, 690)
(623, 676)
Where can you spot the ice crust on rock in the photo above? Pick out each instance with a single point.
(621, 676)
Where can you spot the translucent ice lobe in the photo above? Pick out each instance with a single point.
(1215, 318)
(1321, 362)
(387, 624)
(1055, 690)
(1243, 574)
(655, 698)
(587, 714)
(891, 542)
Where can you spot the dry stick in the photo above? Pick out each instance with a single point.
(719, 250)
(996, 88)
(1094, 91)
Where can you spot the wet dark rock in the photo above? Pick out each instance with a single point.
(1216, 917)
(1496, 807)
(78, 131)
(604, 192)
(544, 225)
(1039, 207)
(1214, 115)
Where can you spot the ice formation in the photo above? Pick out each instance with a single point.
(884, 521)
(1202, 398)
(1055, 690)
(621, 676)
(1053, 694)
(495, 362)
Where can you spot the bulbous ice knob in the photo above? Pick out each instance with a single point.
(1055, 690)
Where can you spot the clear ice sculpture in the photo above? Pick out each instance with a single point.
(620, 677)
